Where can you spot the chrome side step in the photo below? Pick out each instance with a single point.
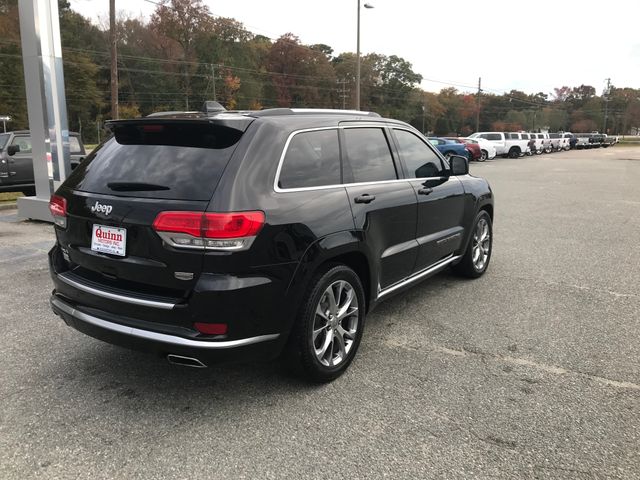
(419, 275)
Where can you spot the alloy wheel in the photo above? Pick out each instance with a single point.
(481, 244)
(335, 324)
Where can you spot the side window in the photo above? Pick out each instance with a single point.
(74, 145)
(419, 159)
(493, 136)
(312, 160)
(23, 142)
(368, 155)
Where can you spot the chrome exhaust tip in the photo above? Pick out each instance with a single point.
(185, 361)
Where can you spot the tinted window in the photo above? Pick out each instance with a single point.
(419, 159)
(312, 159)
(74, 145)
(182, 160)
(492, 136)
(23, 142)
(368, 155)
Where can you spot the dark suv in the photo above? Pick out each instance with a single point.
(16, 160)
(236, 235)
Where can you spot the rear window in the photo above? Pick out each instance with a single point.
(181, 161)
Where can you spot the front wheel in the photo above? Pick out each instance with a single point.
(328, 331)
(476, 258)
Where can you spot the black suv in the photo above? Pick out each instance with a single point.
(16, 160)
(236, 235)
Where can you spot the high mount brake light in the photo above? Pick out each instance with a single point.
(215, 231)
(58, 209)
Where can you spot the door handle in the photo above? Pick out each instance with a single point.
(365, 198)
(425, 191)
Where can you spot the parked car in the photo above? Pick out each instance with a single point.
(503, 143)
(487, 149)
(472, 147)
(16, 160)
(522, 136)
(583, 140)
(230, 236)
(565, 142)
(450, 147)
(555, 142)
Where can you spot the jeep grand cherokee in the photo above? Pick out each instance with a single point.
(236, 235)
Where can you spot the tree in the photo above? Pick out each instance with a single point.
(300, 75)
(182, 22)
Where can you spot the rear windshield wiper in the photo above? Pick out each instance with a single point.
(135, 187)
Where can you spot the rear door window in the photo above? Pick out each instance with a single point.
(369, 156)
(312, 159)
(181, 161)
(419, 160)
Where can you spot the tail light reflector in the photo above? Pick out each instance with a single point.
(58, 209)
(211, 328)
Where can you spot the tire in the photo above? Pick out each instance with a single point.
(514, 152)
(316, 327)
(467, 266)
(483, 155)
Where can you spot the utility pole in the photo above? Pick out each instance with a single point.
(605, 94)
(478, 104)
(213, 79)
(114, 59)
(343, 92)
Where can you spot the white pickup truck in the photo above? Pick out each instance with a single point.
(507, 144)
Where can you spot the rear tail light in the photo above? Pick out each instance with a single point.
(58, 209)
(212, 231)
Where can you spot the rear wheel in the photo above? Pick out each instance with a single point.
(514, 152)
(483, 155)
(476, 258)
(329, 328)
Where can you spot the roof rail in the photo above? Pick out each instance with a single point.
(272, 112)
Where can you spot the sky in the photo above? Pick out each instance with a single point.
(532, 46)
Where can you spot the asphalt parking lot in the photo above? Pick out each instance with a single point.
(532, 371)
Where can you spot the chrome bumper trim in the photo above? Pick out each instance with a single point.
(115, 296)
(155, 336)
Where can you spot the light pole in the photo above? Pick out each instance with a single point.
(366, 5)
(5, 119)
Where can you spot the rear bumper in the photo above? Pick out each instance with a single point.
(148, 340)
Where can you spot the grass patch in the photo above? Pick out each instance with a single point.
(7, 197)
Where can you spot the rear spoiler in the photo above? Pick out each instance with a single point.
(233, 121)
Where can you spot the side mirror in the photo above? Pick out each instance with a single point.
(459, 165)
(13, 149)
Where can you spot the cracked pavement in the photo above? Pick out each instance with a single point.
(532, 371)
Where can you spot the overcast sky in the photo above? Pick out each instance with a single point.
(529, 46)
